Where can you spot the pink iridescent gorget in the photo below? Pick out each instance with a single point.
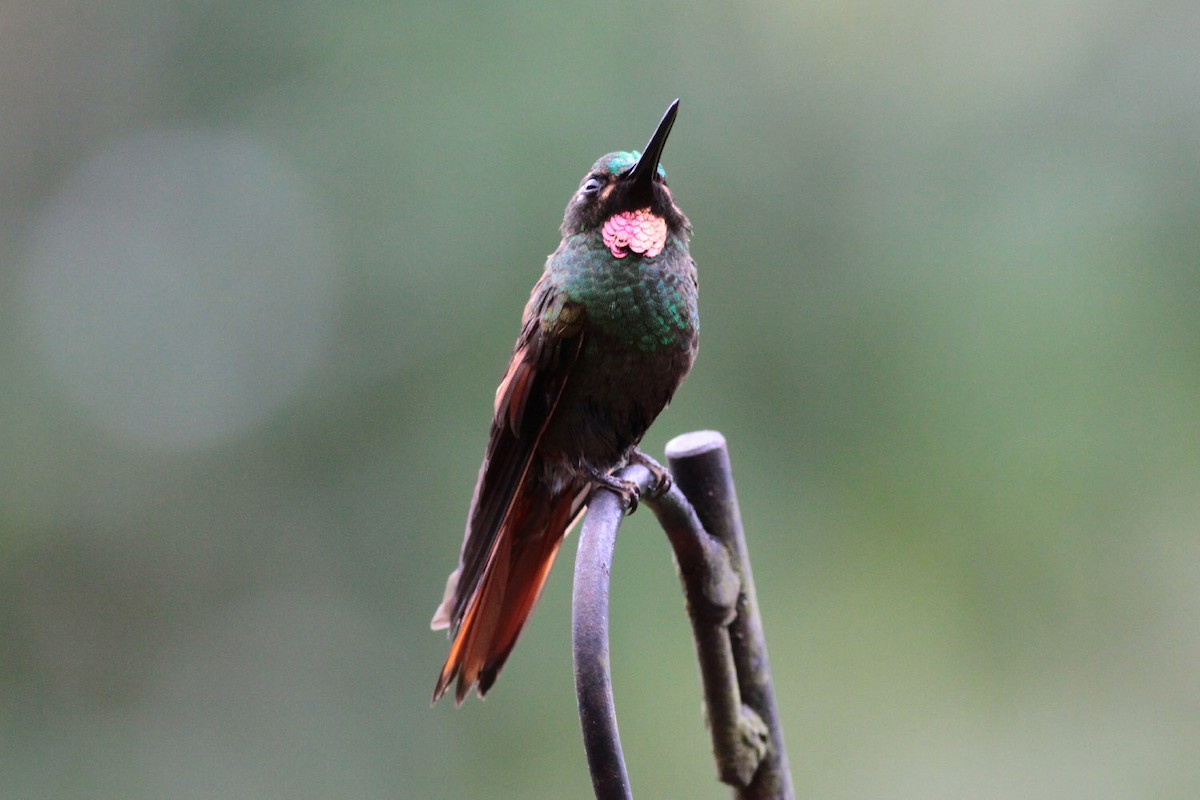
(638, 231)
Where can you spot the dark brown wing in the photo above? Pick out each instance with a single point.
(547, 349)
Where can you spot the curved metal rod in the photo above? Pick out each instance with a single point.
(756, 757)
(721, 604)
(589, 632)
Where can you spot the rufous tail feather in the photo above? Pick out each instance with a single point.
(517, 568)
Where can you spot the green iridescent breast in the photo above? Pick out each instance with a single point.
(649, 303)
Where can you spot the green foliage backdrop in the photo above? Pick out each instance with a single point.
(261, 265)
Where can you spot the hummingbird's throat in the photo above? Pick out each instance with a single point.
(640, 232)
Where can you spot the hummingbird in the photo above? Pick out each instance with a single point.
(610, 331)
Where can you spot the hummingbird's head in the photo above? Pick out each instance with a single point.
(625, 197)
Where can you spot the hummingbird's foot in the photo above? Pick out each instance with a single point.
(628, 490)
(662, 478)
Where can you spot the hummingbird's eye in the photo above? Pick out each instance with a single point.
(592, 185)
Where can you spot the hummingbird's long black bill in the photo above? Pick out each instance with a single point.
(644, 170)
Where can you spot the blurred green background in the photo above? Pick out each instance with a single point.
(261, 266)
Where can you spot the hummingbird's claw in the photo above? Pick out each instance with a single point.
(628, 490)
(662, 478)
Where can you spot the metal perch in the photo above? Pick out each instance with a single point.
(719, 587)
